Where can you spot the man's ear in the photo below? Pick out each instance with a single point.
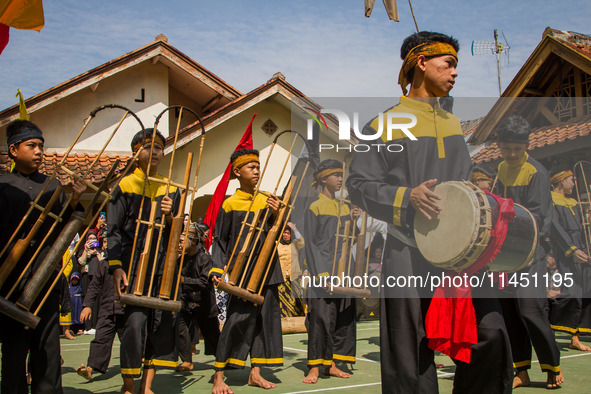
(421, 60)
(236, 172)
(13, 150)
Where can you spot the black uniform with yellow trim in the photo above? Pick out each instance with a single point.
(571, 311)
(380, 182)
(249, 328)
(148, 333)
(526, 314)
(331, 321)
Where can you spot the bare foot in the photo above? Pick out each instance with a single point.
(85, 372)
(312, 376)
(128, 386)
(184, 367)
(576, 344)
(69, 335)
(554, 380)
(521, 379)
(219, 386)
(255, 379)
(334, 371)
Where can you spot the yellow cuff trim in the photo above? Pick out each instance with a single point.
(568, 252)
(584, 329)
(339, 357)
(319, 361)
(522, 364)
(115, 262)
(323, 274)
(548, 367)
(164, 363)
(266, 360)
(234, 361)
(563, 328)
(131, 371)
(216, 270)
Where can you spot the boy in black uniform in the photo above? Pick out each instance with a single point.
(18, 189)
(198, 297)
(526, 315)
(248, 328)
(571, 311)
(331, 321)
(393, 187)
(110, 320)
(148, 333)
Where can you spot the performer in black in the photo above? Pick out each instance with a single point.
(18, 189)
(393, 187)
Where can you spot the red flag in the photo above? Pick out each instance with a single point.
(220, 191)
(3, 36)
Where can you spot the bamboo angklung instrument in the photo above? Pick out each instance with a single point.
(52, 260)
(245, 282)
(163, 301)
(584, 198)
(346, 266)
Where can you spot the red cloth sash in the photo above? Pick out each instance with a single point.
(451, 321)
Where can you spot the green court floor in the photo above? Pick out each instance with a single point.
(365, 374)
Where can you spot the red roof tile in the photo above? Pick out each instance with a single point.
(547, 135)
(78, 164)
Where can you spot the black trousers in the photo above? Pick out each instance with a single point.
(151, 334)
(407, 363)
(571, 311)
(331, 331)
(251, 329)
(526, 317)
(43, 347)
(101, 346)
(209, 326)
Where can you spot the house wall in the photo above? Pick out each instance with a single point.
(62, 120)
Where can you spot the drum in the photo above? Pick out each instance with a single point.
(456, 237)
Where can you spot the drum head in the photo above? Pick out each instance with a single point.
(448, 237)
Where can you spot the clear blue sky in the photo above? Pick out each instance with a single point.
(323, 47)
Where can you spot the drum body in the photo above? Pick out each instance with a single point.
(456, 237)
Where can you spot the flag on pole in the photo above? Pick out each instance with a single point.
(220, 191)
(390, 5)
(20, 14)
(23, 115)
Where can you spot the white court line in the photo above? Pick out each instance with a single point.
(305, 351)
(359, 329)
(336, 388)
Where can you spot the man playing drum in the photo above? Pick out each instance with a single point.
(393, 187)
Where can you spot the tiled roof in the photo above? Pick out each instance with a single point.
(547, 135)
(76, 163)
(577, 41)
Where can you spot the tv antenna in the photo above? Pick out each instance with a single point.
(496, 47)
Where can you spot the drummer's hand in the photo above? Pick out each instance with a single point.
(216, 280)
(78, 188)
(119, 281)
(274, 203)
(580, 256)
(421, 198)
